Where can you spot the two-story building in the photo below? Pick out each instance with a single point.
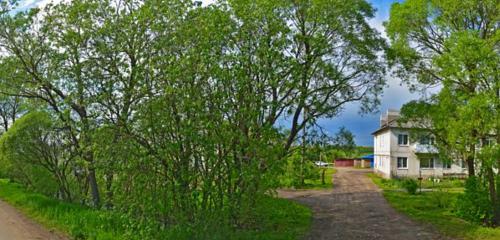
(397, 155)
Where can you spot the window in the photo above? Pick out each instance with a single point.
(463, 163)
(447, 164)
(427, 163)
(488, 142)
(427, 140)
(403, 139)
(402, 163)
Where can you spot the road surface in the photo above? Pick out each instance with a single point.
(356, 209)
(15, 226)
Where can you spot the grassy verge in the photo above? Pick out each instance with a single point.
(317, 183)
(274, 219)
(435, 208)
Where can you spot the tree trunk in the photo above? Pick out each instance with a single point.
(495, 220)
(109, 190)
(94, 189)
(323, 176)
(470, 160)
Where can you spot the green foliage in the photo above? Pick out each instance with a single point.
(446, 43)
(169, 112)
(474, 204)
(32, 153)
(298, 169)
(344, 139)
(441, 198)
(271, 219)
(410, 185)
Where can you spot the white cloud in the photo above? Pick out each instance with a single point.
(25, 4)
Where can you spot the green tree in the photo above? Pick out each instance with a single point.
(34, 152)
(344, 140)
(172, 110)
(453, 45)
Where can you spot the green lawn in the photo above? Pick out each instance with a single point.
(435, 208)
(273, 218)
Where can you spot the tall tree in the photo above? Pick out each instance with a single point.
(52, 53)
(453, 45)
(175, 107)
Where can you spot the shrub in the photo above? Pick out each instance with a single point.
(410, 185)
(293, 170)
(474, 204)
(441, 199)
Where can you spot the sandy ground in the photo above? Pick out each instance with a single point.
(356, 209)
(15, 226)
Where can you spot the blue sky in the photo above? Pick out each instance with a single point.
(395, 95)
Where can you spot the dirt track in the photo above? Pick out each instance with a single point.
(356, 209)
(14, 226)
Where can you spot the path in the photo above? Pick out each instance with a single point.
(15, 226)
(356, 209)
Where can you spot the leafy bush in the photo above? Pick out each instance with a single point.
(34, 152)
(441, 198)
(474, 204)
(294, 168)
(410, 185)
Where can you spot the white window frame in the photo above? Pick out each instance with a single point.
(433, 163)
(402, 158)
(427, 140)
(403, 138)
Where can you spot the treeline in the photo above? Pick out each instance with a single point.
(169, 111)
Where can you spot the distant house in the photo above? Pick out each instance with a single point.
(395, 155)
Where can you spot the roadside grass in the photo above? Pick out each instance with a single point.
(287, 182)
(435, 208)
(273, 218)
(317, 184)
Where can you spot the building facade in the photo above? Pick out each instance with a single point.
(396, 155)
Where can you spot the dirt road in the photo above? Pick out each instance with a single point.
(15, 226)
(356, 209)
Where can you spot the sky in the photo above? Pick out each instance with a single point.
(394, 96)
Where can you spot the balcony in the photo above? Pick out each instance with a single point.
(425, 148)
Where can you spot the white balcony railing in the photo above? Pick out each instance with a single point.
(424, 148)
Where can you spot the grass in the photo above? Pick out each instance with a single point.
(287, 181)
(274, 219)
(436, 208)
(317, 183)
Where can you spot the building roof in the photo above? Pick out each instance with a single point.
(368, 157)
(390, 120)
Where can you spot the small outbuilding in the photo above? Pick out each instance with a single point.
(367, 161)
(344, 162)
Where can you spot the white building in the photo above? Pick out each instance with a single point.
(395, 155)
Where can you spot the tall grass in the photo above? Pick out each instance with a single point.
(274, 219)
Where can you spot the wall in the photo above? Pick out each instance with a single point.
(382, 151)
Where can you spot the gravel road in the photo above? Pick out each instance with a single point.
(15, 226)
(356, 209)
